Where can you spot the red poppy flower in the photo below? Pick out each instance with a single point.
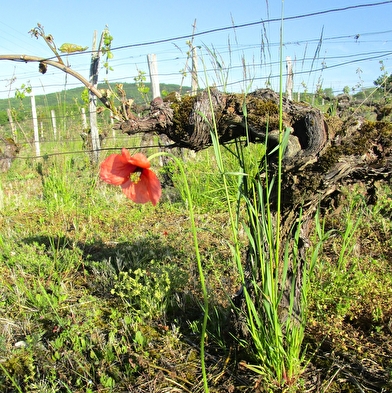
(138, 182)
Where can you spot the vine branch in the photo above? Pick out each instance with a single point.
(61, 66)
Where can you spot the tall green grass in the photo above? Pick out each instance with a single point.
(276, 340)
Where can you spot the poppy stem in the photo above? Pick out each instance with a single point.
(198, 259)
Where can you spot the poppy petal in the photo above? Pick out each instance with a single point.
(154, 185)
(137, 192)
(138, 159)
(116, 170)
(147, 189)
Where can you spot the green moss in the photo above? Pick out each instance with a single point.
(254, 105)
(181, 113)
(329, 158)
(294, 195)
(20, 365)
(261, 107)
(262, 114)
(335, 124)
(235, 100)
(378, 129)
(359, 144)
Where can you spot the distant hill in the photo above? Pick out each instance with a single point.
(74, 97)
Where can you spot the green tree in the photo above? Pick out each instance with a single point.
(328, 92)
(384, 81)
(3, 118)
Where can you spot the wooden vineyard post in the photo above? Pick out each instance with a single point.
(12, 124)
(111, 124)
(35, 127)
(153, 69)
(289, 79)
(192, 51)
(95, 55)
(195, 82)
(156, 95)
(84, 120)
(53, 116)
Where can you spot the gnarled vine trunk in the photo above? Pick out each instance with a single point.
(322, 153)
(8, 151)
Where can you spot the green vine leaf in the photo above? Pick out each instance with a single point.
(71, 48)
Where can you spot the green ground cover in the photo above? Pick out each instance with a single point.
(98, 294)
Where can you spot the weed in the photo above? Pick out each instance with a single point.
(146, 291)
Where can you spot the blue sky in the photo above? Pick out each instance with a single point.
(334, 49)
